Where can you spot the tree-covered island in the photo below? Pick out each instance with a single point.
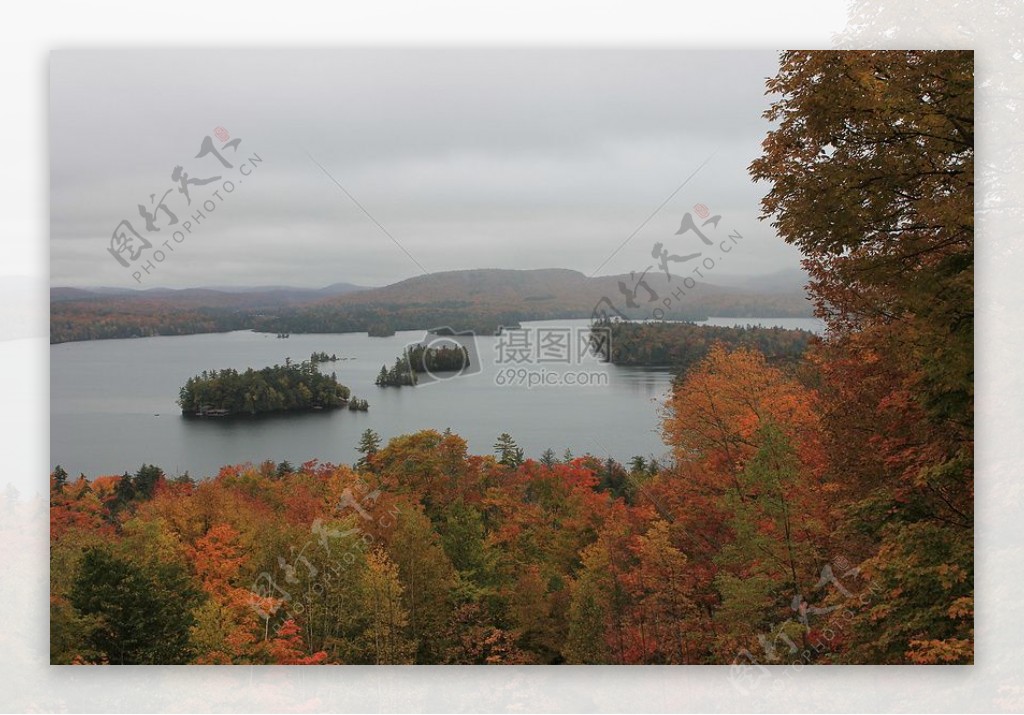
(421, 358)
(281, 388)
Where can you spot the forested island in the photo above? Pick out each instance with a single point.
(280, 388)
(400, 374)
(420, 359)
(357, 405)
(442, 358)
(681, 345)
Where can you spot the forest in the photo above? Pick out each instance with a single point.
(113, 318)
(482, 301)
(280, 388)
(682, 345)
(817, 509)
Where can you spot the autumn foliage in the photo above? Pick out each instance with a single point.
(814, 510)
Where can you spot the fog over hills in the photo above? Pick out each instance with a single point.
(482, 300)
(530, 289)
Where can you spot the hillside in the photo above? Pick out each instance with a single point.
(480, 300)
(483, 299)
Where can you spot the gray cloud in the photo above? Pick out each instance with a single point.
(517, 158)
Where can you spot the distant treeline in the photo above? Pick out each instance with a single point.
(104, 317)
(279, 388)
(384, 320)
(107, 319)
(681, 345)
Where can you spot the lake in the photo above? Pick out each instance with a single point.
(112, 402)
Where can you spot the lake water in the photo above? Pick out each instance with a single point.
(112, 402)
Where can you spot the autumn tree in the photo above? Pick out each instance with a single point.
(598, 630)
(427, 580)
(288, 648)
(228, 628)
(428, 464)
(476, 639)
(323, 570)
(662, 610)
(871, 172)
(385, 636)
(747, 498)
(535, 608)
(780, 527)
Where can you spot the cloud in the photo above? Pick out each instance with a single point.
(514, 158)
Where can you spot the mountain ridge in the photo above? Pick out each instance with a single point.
(481, 300)
(785, 280)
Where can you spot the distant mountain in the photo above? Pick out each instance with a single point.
(333, 289)
(481, 300)
(789, 280)
(491, 285)
(339, 288)
(495, 296)
(61, 293)
(558, 288)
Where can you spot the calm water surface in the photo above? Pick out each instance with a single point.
(112, 404)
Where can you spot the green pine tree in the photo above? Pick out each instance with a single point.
(369, 445)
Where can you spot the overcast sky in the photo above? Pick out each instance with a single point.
(468, 158)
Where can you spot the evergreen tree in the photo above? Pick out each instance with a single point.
(145, 614)
(613, 478)
(369, 445)
(60, 478)
(146, 480)
(508, 451)
(124, 492)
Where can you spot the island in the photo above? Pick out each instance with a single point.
(421, 358)
(282, 388)
(401, 374)
(680, 346)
